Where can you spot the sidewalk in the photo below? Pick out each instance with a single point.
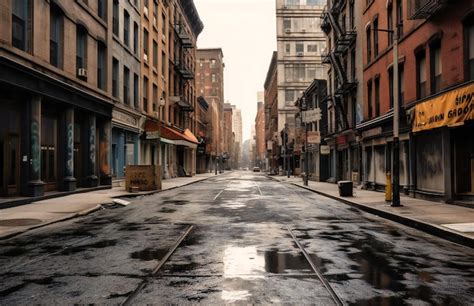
(20, 219)
(454, 223)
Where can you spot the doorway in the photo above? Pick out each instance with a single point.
(10, 165)
(464, 160)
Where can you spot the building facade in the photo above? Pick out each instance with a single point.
(228, 134)
(342, 23)
(203, 154)
(128, 113)
(273, 146)
(56, 103)
(237, 130)
(300, 42)
(260, 145)
(210, 85)
(435, 46)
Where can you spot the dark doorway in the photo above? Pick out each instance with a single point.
(464, 160)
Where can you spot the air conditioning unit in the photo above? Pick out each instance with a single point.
(299, 54)
(145, 57)
(287, 31)
(145, 11)
(82, 72)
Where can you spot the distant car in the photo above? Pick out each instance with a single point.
(256, 169)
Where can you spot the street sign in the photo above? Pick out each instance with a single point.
(314, 137)
(325, 150)
(311, 115)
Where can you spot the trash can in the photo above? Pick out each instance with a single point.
(345, 188)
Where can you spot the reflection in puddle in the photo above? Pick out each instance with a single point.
(248, 262)
(234, 296)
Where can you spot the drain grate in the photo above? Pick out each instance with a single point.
(19, 222)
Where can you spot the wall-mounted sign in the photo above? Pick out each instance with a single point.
(124, 118)
(451, 108)
(311, 115)
(324, 150)
(314, 137)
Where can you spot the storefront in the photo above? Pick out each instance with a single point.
(53, 137)
(125, 141)
(443, 145)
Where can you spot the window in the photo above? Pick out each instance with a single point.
(115, 18)
(312, 48)
(436, 67)
(56, 37)
(369, 44)
(155, 98)
(369, 97)
(213, 63)
(135, 91)
(469, 43)
(377, 96)
(287, 25)
(353, 65)
(21, 24)
(376, 36)
(289, 96)
(213, 78)
(115, 77)
(155, 54)
(145, 43)
(101, 65)
(145, 92)
(81, 47)
(126, 85)
(421, 75)
(390, 23)
(163, 24)
(126, 28)
(351, 15)
(390, 87)
(102, 9)
(401, 84)
(135, 38)
(287, 48)
(299, 47)
(163, 64)
(400, 18)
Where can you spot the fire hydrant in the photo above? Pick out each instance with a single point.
(388, 188)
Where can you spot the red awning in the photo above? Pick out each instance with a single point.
(173, 135)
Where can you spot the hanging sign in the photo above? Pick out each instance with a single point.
(325, 150)
(311, 115)
(314, 137)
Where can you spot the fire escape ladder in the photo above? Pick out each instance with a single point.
(336, 64)
(334, 24)
(341, 113)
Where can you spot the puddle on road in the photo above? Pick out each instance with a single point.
(149, 254)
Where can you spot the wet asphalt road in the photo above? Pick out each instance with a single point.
(237, 247)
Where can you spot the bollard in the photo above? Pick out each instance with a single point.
(388, 188)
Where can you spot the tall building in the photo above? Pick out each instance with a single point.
(436, 82)
(228, 135)
(271, 115)
(56, 96)
(344, 27)
(210, 85)
(237, 129)
(260, 135)
(300, 42)
(203, 123)
(128, 113)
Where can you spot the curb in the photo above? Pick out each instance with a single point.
(93, 209)
(429, 228)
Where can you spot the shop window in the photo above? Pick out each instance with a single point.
(429, 162)
(22, 24)
(56, 38)
(436, 67)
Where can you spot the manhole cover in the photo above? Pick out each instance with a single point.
(19, 222)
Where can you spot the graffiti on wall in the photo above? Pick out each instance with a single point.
(92, 144)
(104, 153)
(35, 160)
(70, 150)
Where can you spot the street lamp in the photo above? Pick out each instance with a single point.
(396, 122)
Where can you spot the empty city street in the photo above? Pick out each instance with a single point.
(240, 237)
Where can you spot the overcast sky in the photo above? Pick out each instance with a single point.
(246, 32)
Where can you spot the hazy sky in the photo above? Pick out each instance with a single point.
(246, 32)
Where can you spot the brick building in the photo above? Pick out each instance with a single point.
(210, 85)
(55, 101)
(436, 56)
(271, 116)
(228, 135)
(260, 144)
(203, 158)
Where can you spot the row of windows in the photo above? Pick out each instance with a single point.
(304, 2)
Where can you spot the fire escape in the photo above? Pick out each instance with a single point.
(343, 40)
(425, 9)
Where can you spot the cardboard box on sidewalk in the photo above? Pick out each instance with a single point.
(145, 178)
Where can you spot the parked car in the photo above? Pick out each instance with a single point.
(256, 169)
